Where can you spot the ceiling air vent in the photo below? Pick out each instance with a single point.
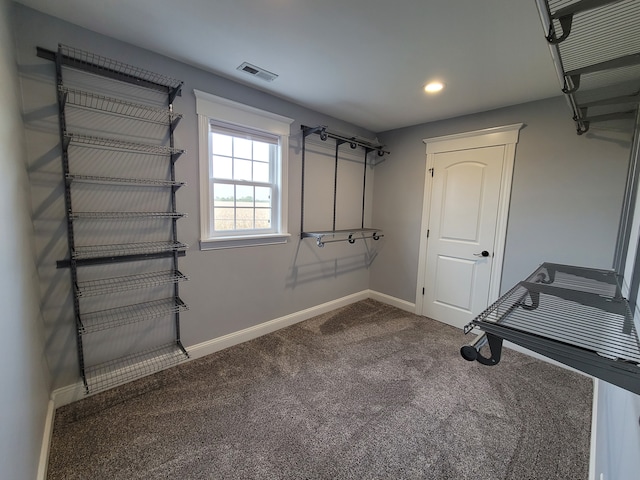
(258, 72)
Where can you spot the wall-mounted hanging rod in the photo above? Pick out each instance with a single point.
(333, 235)
(353, 142)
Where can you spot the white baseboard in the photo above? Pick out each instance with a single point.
(393, 301)
(235, 338)
(46, 441)
(71, 393)
(68, 394)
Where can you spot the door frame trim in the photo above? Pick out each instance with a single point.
(507, 136)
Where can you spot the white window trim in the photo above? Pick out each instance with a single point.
(212, 107)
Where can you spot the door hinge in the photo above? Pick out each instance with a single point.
(427, 233)
(431, 170)
(423, 290)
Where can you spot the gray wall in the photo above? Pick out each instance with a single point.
(229, 290)
(23, 371)
(565, 202)
(617, 431)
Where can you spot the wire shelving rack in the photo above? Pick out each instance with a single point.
(86, 252)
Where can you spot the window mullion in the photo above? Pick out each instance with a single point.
(235, 208)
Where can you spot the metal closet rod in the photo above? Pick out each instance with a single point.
(324, 133)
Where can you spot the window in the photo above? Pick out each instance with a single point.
(243, 172)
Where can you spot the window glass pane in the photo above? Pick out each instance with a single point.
(223, 195)
(261, 151)
(222, 167)
(263, 197)
(244, 218)
(223, 225)
(242, 147)
(221, 144)
(223, 218)
(260, 172)
(244, 196)
(242, 170)
(263, 222)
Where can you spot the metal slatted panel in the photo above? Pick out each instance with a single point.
(601, 34)
(602, 37)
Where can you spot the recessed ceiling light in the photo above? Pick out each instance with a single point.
(433, 87)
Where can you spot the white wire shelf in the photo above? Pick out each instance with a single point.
(148, 182)
(117, 372)
(124, 215)
(117, 317)
(116, 106)
(122, 145)
(105, 286)
(98, 251)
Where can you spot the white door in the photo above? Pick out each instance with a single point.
(463, 214)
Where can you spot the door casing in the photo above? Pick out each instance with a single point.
(507, 136)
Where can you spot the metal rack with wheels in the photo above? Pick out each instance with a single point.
(104, 303)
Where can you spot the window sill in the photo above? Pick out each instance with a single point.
(244, 241)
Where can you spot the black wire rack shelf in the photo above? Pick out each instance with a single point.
(144, 182)
(574, 315)
(98, 251)
(106, 286)
(117, 372)
(89, 62)
(115, 106)
(120, 145)
(123, 215)
(92, 322)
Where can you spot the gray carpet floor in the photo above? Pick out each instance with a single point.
(364, 392)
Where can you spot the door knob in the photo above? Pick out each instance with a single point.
(483, 253)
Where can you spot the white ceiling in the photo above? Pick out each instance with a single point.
(363, 61)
